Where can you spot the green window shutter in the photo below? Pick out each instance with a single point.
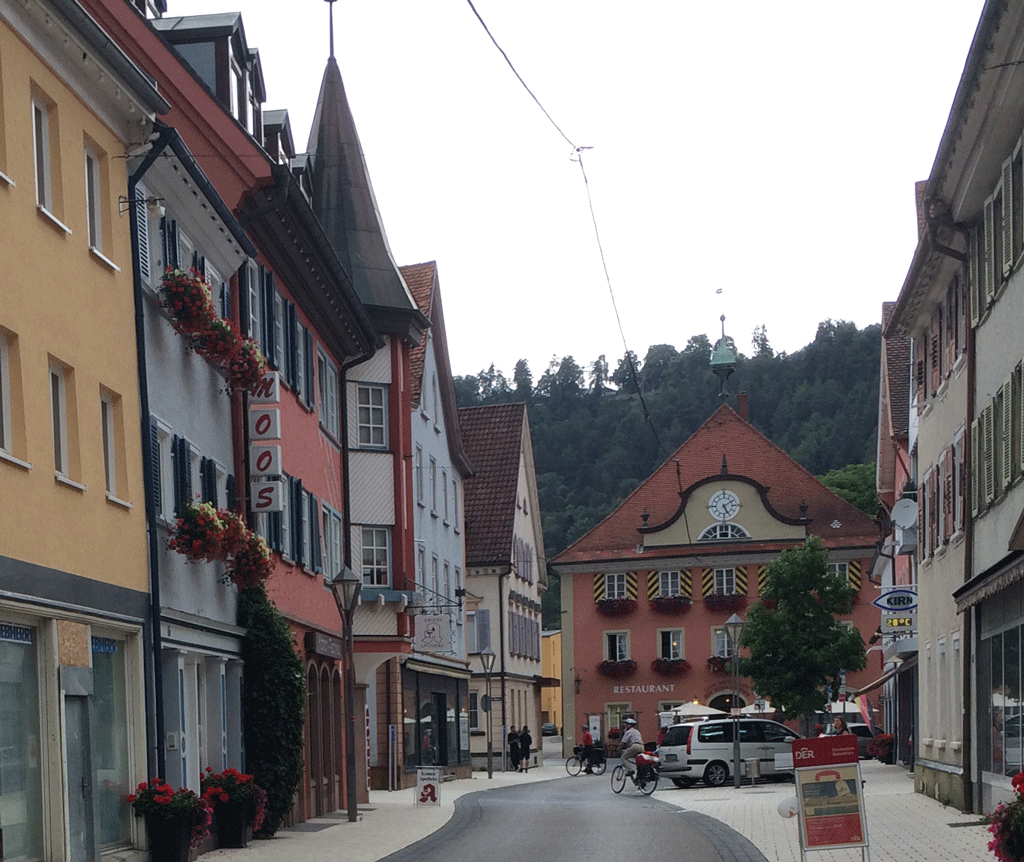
(1007, 218)
(599, 588)
(973, 284)
(1007, 435)
(975, 463)
(989, 275)
(989, 451)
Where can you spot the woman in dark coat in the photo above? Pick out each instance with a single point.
(525, 745)
(514, 755)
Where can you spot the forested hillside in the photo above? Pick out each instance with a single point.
(594, 442)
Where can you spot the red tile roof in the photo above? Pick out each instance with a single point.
(493, 437)
(897, 367)
(420, 278)
(749, 453)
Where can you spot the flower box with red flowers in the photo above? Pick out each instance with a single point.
(725, 602)
(1006, 825)
(188, 301)
(671, 604)
(616, 607)
(718, 664)
(198, 533)
(236, 800)
(670, 666)
(617, 669)
(163, 806)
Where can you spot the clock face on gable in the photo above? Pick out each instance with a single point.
(724, 505)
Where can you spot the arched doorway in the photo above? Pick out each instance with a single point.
(725, 702)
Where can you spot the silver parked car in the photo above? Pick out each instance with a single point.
(703, 750)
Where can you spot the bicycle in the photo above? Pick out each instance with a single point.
(574, 764)
(645, 779)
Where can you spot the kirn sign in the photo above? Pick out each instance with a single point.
(265, 489)
(898, 601)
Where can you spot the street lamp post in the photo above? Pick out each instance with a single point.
(734, 628)
(346, 587)
(487, 660)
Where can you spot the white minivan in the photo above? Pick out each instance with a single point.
(704, 750)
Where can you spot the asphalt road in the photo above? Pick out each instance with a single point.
(576, 820)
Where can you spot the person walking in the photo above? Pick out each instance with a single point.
(525, 746)
(514, 751)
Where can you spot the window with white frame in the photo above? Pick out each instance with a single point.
(376, 553)
(6, 434)
(457, 526)
(670, 644)
(959, 472)
(300, 359)
(332, 530)
(195, 466)
(617, 712)
(722, 642)
(433, 487)
(165, 460)
(41, 152)
(668, 584)
(616, 646)
(435, 586)
(721, 532)
(372, 416)
(418, 469)
(278, 327)
(725, 582)
(59, 414)
(307, 536)
(444, 493)
(253, 296)
(615, 585)
(421, 566)
(109, 451)
(838, 570)
(285, 518)
(327, 372)
(474, 711)
(93, 198)
(447, 586)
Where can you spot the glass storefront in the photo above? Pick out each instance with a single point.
(435, 719)
(999, 676)
(21, 785)
(110, 741)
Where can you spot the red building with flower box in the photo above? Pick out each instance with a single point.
(647, 591)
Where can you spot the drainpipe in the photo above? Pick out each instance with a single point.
(501, 643)
(148, 478)
(966, 688)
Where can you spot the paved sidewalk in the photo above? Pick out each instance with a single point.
(903, 826)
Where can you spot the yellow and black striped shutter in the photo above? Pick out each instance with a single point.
(853, 573)
(685, 584)
(741, 580)
(653, 585)
(598, 587)
(762, 579)
(631, 580)
(707, 582)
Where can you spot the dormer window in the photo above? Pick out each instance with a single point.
(723, 532)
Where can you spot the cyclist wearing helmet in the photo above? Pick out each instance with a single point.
(632, 745)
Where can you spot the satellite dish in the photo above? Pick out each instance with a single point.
(904, 514)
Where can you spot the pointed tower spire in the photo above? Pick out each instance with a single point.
(330, 24)
(345, 205)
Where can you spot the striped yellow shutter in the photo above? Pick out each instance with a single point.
(653, 585)
(762, 579)
(707, 582)
(631, 585)
(598, 587)
(686, 584)
(741, 580)
(853, 573)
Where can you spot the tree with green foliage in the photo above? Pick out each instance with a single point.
(273, 700)
(522, 380)
(797, 645)
(855, 483)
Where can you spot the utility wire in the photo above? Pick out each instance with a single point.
(578, 157)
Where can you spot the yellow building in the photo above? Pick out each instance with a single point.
(73, 549)
(551, 668)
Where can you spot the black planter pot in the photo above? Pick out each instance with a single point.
(233, 821)
(169, 839)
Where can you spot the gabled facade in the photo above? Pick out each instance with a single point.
(377, 404)
(433, 701)
(74, 610)
(506, 574)
(649, 589)
(971, 591)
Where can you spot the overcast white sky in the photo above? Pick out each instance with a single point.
(767, 150)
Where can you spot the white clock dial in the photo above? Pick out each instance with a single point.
(723, 505)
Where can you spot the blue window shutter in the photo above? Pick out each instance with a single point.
(232, 494)
(267, 294)
(176, 467)
(308, 354)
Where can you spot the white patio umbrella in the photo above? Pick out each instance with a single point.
(695, 710)
(753, 710)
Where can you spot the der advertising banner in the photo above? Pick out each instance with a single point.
(829, 792)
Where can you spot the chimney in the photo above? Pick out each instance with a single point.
(742, 408)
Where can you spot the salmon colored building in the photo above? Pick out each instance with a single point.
(647, 592)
